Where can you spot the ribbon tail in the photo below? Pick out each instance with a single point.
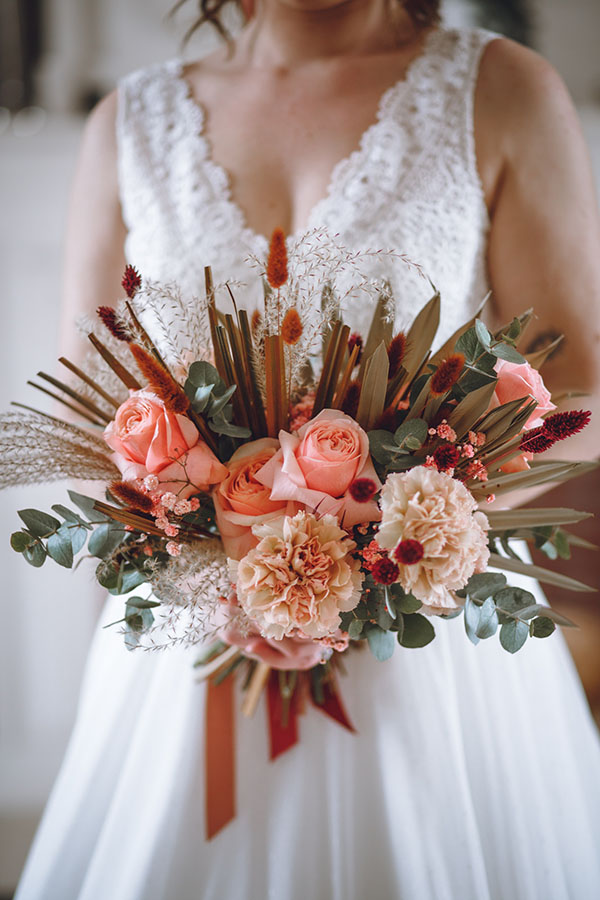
(282, 716)
(219, 756)
(332, 705)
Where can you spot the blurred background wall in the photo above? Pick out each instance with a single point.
(56, 58)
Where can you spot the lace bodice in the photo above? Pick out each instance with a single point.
(412, 185)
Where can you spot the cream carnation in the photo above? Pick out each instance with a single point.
(439, 512)
(299, 577)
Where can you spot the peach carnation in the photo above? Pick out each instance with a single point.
(299, 577)
(439, 512)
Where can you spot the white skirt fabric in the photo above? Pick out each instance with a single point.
(473, 775)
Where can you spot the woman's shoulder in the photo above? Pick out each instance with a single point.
(520, 92)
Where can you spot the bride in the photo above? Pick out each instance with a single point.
(473, 774)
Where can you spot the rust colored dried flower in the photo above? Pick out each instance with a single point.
(113, 323)
(132, 281)
(355, 340)
(160, 381)
(396, 352)
(537, 440)
(291, 327)
(447, 374)
(256, 321)
(446, 456)
(351, 398)
(131, 496)
(362, 490)
(385, 571)
(409, 552)
(562, 425)
(277, 271)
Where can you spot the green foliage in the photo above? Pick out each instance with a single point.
(138, 619)
(513, 635)
(542, 627)
(381, 643)
(210, 396)
(417, 631)
(40, 524)
(393, 451)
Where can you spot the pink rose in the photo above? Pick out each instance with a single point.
(148, 439)
(288, 653)
(317, 465)
(241, 501)
(517, 380)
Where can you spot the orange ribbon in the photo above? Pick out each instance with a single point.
(219, 755)
(283, 734)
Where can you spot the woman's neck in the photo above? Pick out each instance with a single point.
(287, 33)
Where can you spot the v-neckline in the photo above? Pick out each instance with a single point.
(196, 115)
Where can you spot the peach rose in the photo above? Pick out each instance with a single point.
(147, 439)
(241, 501)
(517, 380)
(317, 465)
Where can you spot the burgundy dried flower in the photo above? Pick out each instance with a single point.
(536, 440)
(446, 456)
(277, 271)
(129, 495)
(447, 374)
(385, 571)
(351, 398)
(387, 419)
(562, 425)
(409, 552)
(362, 490)
(396, 351)
(113, 323)
(132, 281)
(355, 340)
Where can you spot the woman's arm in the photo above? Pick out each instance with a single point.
(94, 258)
(544, 248)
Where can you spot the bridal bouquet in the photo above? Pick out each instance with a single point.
(290, 491)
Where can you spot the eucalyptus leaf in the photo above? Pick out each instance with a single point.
(68, 514)
(488, 620)
(127, 580)
(542, 627)
(355, 629)
(483, 334)
(86, 505)
(412, 428)
(418, 631)
(141, 603)
(484, 585)
(20, 541)
(470, 346)
(513, 635)
(381, 643)
(35, 555)
(508, 353)
(105, 539)
(59, 547)
(79, 536)
(218, 403)
(39, 523)
(472, 620)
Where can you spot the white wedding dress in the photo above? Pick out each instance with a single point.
(473, 774)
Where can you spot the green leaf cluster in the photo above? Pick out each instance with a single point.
(481, 349)
(394, 451)
(386, 615)
(491, 605)
(210, 396)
